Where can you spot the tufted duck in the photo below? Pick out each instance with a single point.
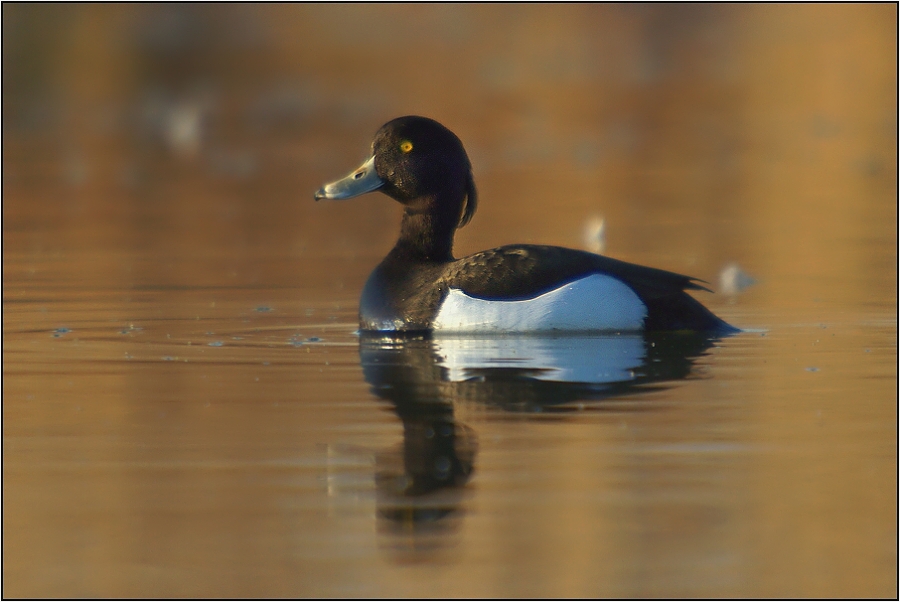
(419, 286)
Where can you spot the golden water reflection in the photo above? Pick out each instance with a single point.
(186, 411)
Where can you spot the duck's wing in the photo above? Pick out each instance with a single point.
(526, 271)
(516, 272)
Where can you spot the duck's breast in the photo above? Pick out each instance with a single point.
(594, 303)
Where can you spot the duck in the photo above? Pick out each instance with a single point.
(420, 287)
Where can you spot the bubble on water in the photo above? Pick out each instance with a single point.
(442, 466)
(594, 234)
(733, 279)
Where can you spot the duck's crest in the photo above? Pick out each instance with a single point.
(471, 202)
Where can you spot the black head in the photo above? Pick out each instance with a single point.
(419, 163)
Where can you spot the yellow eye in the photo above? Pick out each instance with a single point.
(406, 146)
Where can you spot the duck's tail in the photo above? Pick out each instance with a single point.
(683, 312)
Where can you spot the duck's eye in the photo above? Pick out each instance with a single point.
(405, 146)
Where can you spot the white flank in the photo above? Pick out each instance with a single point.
(594, 303)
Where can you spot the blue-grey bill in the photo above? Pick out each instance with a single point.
(362, 180)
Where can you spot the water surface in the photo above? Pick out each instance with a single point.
(189, 410)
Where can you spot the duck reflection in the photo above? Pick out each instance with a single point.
(418, 487)
(424, 376)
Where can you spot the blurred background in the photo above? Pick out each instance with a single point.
(700, 134)
(159, 165)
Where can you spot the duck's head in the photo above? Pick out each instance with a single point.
(417, 162)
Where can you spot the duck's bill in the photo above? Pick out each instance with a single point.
(362, 180)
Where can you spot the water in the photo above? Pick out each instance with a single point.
(189, 411)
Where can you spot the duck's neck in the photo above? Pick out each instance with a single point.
(427, 235)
